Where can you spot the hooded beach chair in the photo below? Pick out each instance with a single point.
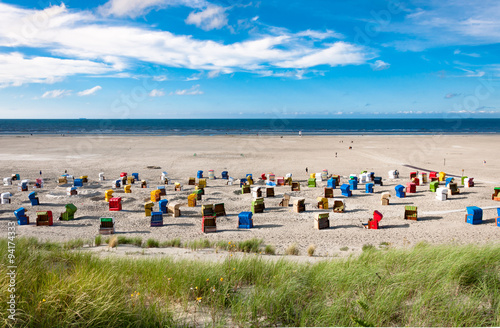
(416, 181)
(44, 218)
(108, 194)
(442, 194)
(385, 198)
(324, 175)
(72, 191)
(78, 183)
(498, 218)
(338, 205)
(127, 189)
(258, 205)
(101, 176)
(442, 176)
(364, 178)
(224, 175)
(106, 226)
(453, 189)
(243, 182)
(5, 198)
(22, 218)
(199, 175)
(378, 181)
(474, 215)
(202, 183)
(23, 186)
(178, 186)
(62, 180)
(130, 180)
(163, 191)
(318, 176)
(207, 210)
(164, 177)
(117, 184)
(321, 221)
(410, 213)
(256, 192)
(328, 192)
(192, 200)
(209, 224)
(156, 219)
(434, 185)
(346, 190)
(299, 205)
(249, 179)
(496, 194)
(448, 181)
(400, 191)
(280, 181)
(354, 184)
(336, 178)
(423, 178)
(411, 187)
(331, 183)
(33, 198)
(269, 191)
(211, 174)
(288, 179)
(374, 222)
(245, 189)
(69, 214)
(285, 201)
(393, 174)
(115, 204)
(136, 176)
(148, 208)
(163, 204)
(245, 220)
(369, 188)
(322, 203)
(155, 195)
(230, 181)
(311, 183)
(219, 209)
(413, 175)
(198, 193)
(7, 181)
(433, 176)
(295, 186)
(123, 174)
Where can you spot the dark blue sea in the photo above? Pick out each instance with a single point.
(249, 126)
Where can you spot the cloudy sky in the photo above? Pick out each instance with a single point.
(239, 59)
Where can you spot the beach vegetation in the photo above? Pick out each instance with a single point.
(435, 285)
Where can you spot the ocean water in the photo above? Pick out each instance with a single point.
(249, 126)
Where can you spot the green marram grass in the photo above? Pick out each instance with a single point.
(445, 285)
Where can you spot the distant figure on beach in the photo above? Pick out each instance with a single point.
(40, 172)
(335, 154)
(307, 171)
(484, 162)
(300, 133)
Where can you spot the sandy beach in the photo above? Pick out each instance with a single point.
(182, 156)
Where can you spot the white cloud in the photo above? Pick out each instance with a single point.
(90, 91)
(379, 65)
(321, 35)
(160, 78)
(134, 8)
(156, 93)
(446, 23)
(194, 90)
(56, 93)
(104, 47)
(451, 95)
(16, 69)
(212, 17)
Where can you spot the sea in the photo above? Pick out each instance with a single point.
(184, 127)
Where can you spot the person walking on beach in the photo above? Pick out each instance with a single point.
(307, 171)
(335, 155)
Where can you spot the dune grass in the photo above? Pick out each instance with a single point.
(445, 285)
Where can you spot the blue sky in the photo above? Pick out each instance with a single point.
(249, 59)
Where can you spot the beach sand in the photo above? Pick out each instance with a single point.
(182, 156)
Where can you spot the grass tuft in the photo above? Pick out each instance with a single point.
(113, 241)
(293, 249)
(311, 249)
(270, 250)
(152, 243)
(98, 240)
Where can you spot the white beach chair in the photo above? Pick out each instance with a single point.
(442, 194)
(319, 176)
(230, 181)
(101, 176)
(5, 197)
